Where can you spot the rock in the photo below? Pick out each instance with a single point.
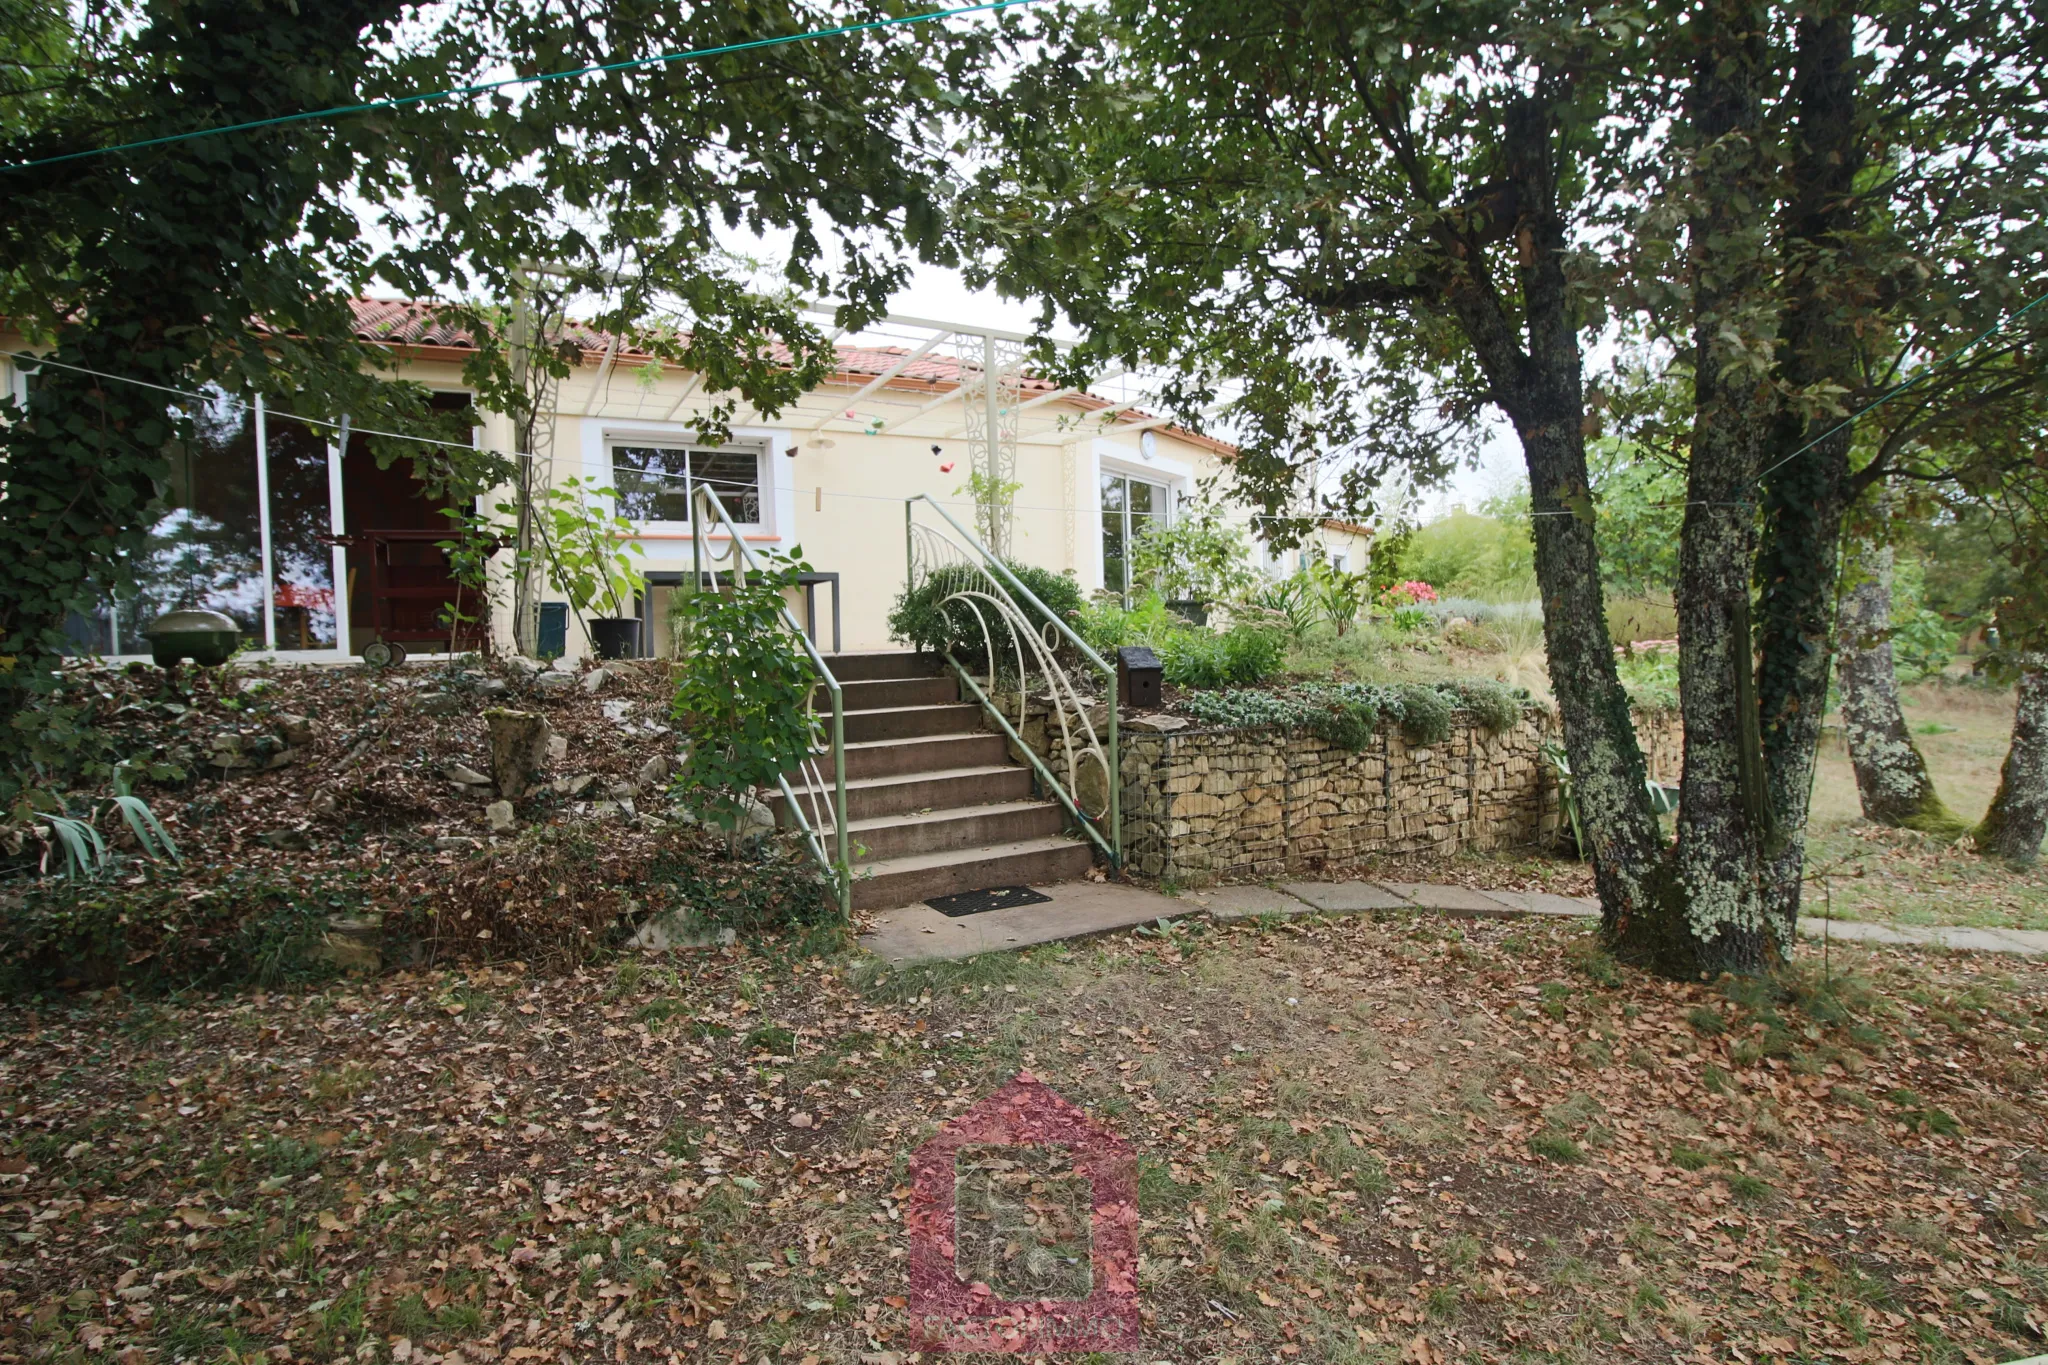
(291, 840)
(519, 663)
(553, 682)
(499, 815)
(466, 775)
(1157, 725)
(353, 943)
(678, 929)
(756, 813)
(440, 704)
(558, 748)
(616, 711)
(621, 791)
(574, 786)
(454, 843)
(653, 772)
(295, 730)
(594, 680)
(492, 687)
(323, 803)
(519, 749)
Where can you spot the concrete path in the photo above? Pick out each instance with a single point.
(1079, 909)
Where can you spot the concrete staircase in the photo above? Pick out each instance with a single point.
(934, 803)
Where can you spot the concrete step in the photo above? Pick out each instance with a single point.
(895, 836)
(896, 794)
(885, 693)
(873, 665)
(912, 722)
(920, 754)
(921, 876)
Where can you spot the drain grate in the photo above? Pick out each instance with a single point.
(995, 898)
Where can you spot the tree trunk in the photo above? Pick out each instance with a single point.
(1724, 815)
(1805, 492)
(1891, 777)
(1542, 392)
(2013, 827)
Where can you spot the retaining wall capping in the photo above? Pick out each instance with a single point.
(1202, 804)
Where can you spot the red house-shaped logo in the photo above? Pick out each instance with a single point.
(1023, 1229)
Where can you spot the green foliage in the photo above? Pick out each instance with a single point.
(1339, 596)
(1650, 676)
(1348, 714)
(973, 629)
(1292, 599)
(1465, 552)
(1922, 645)
(166, 934)
(762, 886)
(1241, 656)
(1198, 557)
(744, 692)
(1425, 713)
(1384, 556)
(586, 549)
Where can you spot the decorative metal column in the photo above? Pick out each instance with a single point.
(992, 420)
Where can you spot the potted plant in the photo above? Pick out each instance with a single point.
(589, 552)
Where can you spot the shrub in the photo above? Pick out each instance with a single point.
(922, 617)
(1242, 656)
(744, 693)
(1496, 706)
(251, 928)
(1425, 714)
(1345, 714)
(1650, 677)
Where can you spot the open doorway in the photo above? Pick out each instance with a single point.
(401, 588)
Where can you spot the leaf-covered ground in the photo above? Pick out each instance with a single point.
(1379, 1140)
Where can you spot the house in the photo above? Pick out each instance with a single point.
(316, 551)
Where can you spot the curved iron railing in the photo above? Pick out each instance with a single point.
(996, 594)
(706, 508)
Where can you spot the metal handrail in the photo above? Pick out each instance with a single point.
(992, 565)
(839, 868)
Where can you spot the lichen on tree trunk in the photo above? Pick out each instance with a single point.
(1891, 776)
(2012, 829)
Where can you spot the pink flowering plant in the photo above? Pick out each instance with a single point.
(1412, 593)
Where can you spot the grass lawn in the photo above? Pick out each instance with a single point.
(1397, 1139)
(1881, 874)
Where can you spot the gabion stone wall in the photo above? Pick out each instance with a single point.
(1204, 804)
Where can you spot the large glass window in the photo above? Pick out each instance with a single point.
(1128, 506)
(207, 548)
(654, 481)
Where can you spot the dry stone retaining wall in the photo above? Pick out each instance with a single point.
(1203, 804)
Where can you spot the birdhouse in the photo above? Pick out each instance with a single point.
(1138, 678)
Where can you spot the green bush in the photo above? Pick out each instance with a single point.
(1348, 714)
(251, 928)
(1650, 677)
(1425, 714)
(1242, 656)
(1495, 705)
(1922, 646)
(922, 617)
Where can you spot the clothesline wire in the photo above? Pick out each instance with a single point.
(249, 405)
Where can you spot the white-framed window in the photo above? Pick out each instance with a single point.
(1341, 563)
(1129, 504)
(655, 478)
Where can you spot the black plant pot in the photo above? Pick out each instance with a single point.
(615, 637)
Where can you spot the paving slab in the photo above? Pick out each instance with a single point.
(1244, 902)
(1455, 900)
(1077, 909)
(1544, 903)
(1347, 898)
(2024, 942)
